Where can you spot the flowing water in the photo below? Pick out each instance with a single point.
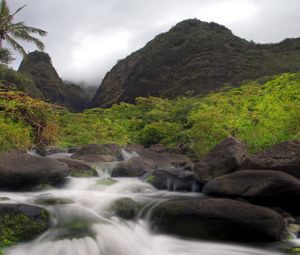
(83, 223)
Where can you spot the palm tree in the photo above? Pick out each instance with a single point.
(11, 32)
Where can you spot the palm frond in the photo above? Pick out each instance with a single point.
(18, 10)
(27, 37)
(16, 46)
(34, 30)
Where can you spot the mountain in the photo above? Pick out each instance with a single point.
(194, 58)
(38, 67)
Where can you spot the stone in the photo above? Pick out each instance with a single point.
(224, 158)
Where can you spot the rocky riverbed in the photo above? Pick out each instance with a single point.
(104, 199)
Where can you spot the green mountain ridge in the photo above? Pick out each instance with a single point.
(194, 58)
(49, 86)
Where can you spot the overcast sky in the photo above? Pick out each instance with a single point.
(86, 38)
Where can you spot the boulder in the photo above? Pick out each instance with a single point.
(273, 188)
(173, 180)
(73, 149)
(19, 222)
(46, 150)
(79, 168)
(98, 153)
(283, 157)
(21, 170)
(218, 219)
(134, 167)
(162, 159)
(224, 158)
(158, 148)
(126, 208)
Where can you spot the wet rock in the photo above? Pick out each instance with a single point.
(264, 187)
(226, 157)
(126, 208)
(46, 150)
(20, 223)
(106, 182)
(79, 168)
(20, 170)
(73, 149)
(98, 153)
(218, 219)
(53, 201)
(173, 180)
(134, 167)
(158, 148)
(162, 160)
(283, 157)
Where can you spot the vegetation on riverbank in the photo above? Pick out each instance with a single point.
(259, 114)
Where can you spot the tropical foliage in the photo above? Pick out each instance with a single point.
(25, 121)
(260, 114)
(12, 32)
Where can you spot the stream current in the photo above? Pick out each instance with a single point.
(84, 224)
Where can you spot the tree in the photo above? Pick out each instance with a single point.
(11, 32)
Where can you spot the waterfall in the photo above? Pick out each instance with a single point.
(126, 155)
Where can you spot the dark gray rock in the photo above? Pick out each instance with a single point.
(283, 157)
(98, 153)
(135, 167)
(126, 208)
(19, 170)
(265, 187)
(218, 219)
(46, 150)
(173, 180)
(226, 157)
(162, 159)
(79, 168)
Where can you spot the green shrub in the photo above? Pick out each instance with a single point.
(259, 115)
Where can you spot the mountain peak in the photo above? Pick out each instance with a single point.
(194, 58)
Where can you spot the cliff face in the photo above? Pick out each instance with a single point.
(37, 65)
(194, 58)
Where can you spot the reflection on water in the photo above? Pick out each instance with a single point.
(83, 223)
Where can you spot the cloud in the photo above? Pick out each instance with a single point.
(86, 38)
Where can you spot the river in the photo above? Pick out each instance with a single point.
(84, 224)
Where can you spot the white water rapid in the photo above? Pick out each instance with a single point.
(85, 225)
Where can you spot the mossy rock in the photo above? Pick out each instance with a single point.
(53, 201)
(126, 208)
(79, 168)
(106, 182)
(4, 199)
(19, 223)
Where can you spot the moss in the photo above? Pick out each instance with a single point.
(294, 251)
(126, 208)
(150, 179)
(84, 173)
(106, 182)
(17, 227)
(53, 201)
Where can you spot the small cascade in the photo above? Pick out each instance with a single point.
(126, 155)
(33, 152)
(60, 155)
(105, 169)
(86, 225)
